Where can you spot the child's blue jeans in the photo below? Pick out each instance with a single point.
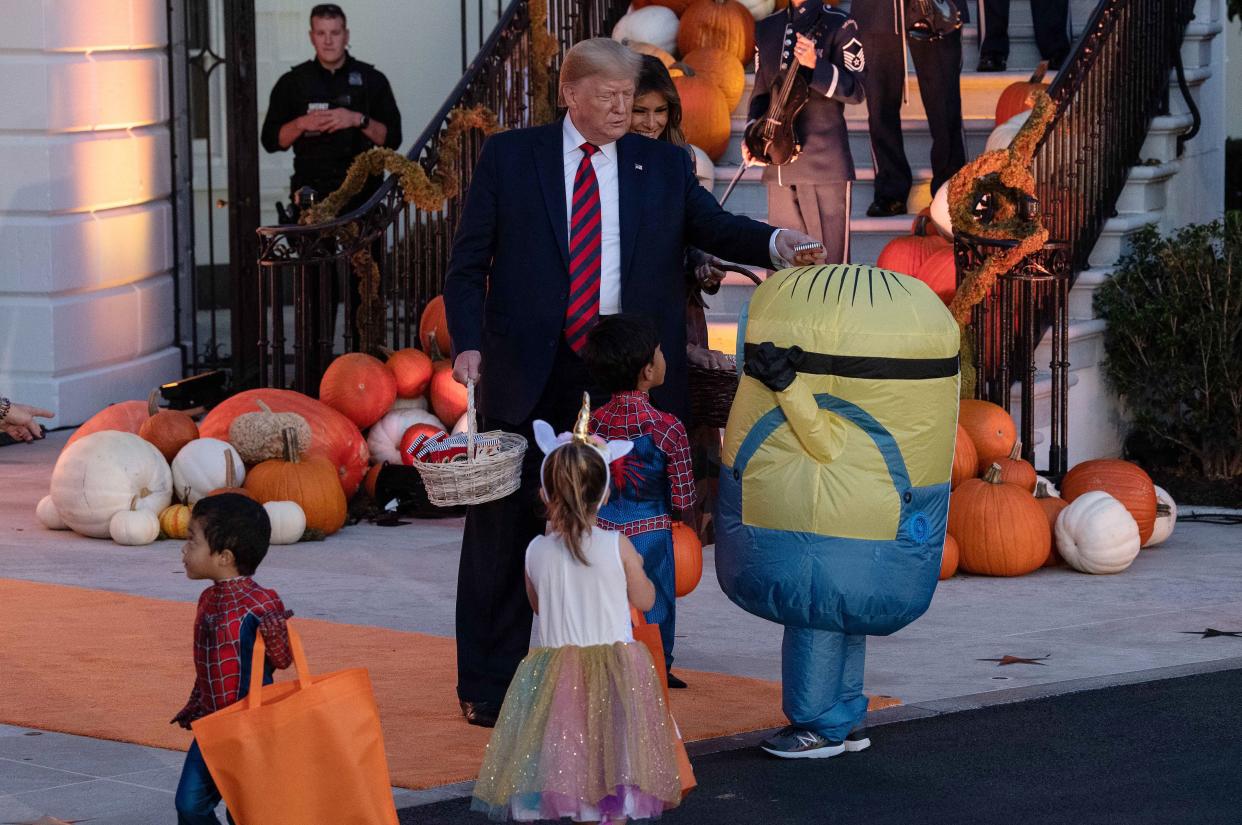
(197, 795)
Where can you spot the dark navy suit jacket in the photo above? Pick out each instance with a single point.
(508, 278)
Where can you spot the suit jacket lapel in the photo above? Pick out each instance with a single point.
(550, 168)
(630, 180)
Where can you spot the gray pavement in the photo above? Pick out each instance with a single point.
(1089, 627)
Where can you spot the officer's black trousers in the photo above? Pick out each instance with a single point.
(1051, 18)
(938, 64)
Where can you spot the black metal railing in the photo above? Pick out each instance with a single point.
(1115, 81)
(304, 271)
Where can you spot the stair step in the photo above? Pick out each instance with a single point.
(1082, 293)
(750, 196)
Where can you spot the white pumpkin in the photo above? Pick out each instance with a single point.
(134, 527)
(461, 425)
(96, 477)
(384, 437)
(704, 168)
(1004, 134)
(288, 521)
(1052, 488)
(1166, 517)
(940, 210)
(759, 9)
(419, 403)
(48, 515)
(1097, 534)
(201, 466)
(656, 25)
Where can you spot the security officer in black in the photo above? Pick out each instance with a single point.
(938, 64)
(1051, 19)
(812, 193)
(330, 109)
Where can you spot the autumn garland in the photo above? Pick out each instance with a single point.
(1007, 174)
(543, 48)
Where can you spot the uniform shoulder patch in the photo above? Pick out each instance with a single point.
(852, 55)
(831, 8)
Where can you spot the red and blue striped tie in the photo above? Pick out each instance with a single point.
(584, 253)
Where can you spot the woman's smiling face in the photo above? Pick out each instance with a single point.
(650, 115)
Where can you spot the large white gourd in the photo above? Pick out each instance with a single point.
(656, 25)
(384, 437)
(201, 467)
(99, 474)
(1097, 534)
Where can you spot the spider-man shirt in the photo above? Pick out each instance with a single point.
(222, 611)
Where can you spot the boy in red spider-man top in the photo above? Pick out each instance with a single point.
(228, 538)
(655, 478)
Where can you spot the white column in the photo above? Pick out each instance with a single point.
(86, 291)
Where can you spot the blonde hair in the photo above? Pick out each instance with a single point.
(597, 56)
(573, 486)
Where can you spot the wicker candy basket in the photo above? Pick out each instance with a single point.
(712, 390)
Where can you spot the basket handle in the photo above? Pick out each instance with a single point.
(471, 423)
(741, 270)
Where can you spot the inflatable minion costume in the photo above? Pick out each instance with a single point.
(834, 489)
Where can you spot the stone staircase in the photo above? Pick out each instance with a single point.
(1095, 418)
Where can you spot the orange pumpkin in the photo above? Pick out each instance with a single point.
(332, 435)
(949, 558)
(649, 48)
(412, 432)
(433, 330)
(721, 24)
(168, 430)
(999, 528)
(990, 428)
(448, 398)
(939, 271)
(1018, 97)
(906, 253)
(1017, 470)
(126, 417)
(1123, 480)
(720, 68)
(411, 368)
(311, 482)
(359, 387)
(687, 559)
(1052, 507)
(965, 459)
(705, 113)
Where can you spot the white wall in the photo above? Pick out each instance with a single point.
(1233, 74)
(86, 294)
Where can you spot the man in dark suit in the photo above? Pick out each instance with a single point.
(1051, 19)
(813, 192)
(938, 64)
(564, 223)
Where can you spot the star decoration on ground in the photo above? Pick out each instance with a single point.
(1015, 660)
(1210, 632)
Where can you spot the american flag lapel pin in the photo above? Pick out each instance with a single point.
(638, 166)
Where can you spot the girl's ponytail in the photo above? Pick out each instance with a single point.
(574, 476)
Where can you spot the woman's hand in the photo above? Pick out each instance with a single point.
(709, 275)
(708, 359)
(20, 422)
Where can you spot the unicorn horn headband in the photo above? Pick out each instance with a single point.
(549, 441)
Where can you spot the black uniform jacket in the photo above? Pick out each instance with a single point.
(836, 80)
(321, 160)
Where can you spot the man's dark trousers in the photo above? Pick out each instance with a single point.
(1051, 19)
(493, 613)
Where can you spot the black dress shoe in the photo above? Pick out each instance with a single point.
(482, 714)
(886, 208)
(675, 683)
(991, 63)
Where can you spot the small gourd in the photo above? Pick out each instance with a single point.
(175, 519)
(288, 521)
(1017, 470)
(168, 430)
(257, 435)
(1097, 534)
(48, 515)
(134, 527)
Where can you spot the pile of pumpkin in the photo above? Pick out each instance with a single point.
(1006, 521)
(133, 472)
(716, 41)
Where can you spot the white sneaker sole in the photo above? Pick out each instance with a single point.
(855, 747)
(818, 753)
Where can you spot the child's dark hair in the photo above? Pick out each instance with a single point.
(618, 348)
(573, 483)
(230, 521)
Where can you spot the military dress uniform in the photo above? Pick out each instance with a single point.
(812, 194)
(938, 65)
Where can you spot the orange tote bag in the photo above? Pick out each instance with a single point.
(648, 635)
(298, 752)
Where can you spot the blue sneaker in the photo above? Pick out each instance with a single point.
(795, 743)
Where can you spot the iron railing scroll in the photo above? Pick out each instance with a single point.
(1114, 82)
(303, 269)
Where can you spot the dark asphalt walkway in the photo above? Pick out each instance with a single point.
(1167, 752)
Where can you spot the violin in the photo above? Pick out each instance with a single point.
(771, 138)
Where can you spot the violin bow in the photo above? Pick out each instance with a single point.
(740, 169)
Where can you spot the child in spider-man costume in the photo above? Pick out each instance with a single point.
(623, 354)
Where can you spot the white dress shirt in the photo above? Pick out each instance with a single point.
(604, 162)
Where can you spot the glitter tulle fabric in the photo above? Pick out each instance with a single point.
(584, 733)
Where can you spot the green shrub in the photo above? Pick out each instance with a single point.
(1174, 342)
